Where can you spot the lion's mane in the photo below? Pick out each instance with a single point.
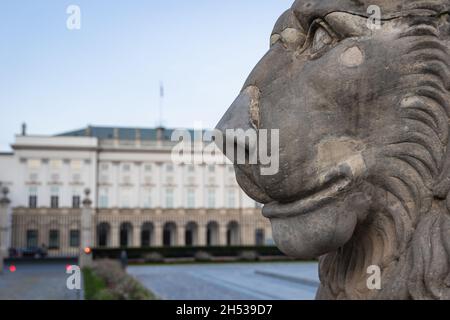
(409, 236)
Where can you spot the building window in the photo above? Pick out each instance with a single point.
(103, 234)
(104, 167)
(147, 198)
(211, 168)
(32, 238)
(103, 199)
(76, 202)
(148, 168)
(231, 169)
(191, 198)
(169, 199)
(55, 178)
(169, 168)
(74, 239)
(53, 239)
(76, 164)
(126, 198)
(191, 168)
(54, 202)
(32, 202)
(56, 164)
(211, 198)
(32, 199)
(34, 164)
(126, 168)
(259, 237)
(231, 201)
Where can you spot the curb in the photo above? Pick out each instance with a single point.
(304, 281)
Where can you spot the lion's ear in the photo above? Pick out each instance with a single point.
(348, 25)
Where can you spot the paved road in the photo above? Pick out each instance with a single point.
(258, 281)
(37, 281)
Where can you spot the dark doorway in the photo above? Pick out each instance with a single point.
(125, 234)
(169, 234)
(146, 234)
(103, 234)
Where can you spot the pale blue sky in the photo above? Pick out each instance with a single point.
(108, 72)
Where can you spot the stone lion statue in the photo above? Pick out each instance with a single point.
(363, 117)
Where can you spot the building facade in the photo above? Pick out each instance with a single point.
(140, 196)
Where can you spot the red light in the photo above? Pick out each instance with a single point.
(68, 267)
(87, 250)
(12, 269)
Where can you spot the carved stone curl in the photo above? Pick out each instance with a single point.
(363, 113)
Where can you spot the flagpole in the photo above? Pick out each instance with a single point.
(161, 103)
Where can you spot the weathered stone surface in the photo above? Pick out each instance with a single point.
(363, 116)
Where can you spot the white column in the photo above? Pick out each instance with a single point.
(202, 188)
(222, 234)
(158, 234)
(181, 231)
(159, 186)
(5, 230)
(140, 182)
(87, 239)
(115, 243)
(201, 236)
(180, 196)
(117, 185)
(220, 181)
(136, 236)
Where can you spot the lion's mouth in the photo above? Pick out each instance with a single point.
(316, 190)
(310, 202)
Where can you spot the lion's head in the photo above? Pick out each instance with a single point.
(363, 114)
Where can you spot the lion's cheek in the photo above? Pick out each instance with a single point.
(319, 232)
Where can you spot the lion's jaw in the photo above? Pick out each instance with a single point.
(325, 216)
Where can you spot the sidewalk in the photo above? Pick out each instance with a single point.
(247, 281)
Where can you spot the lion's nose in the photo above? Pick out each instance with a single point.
(237, 126)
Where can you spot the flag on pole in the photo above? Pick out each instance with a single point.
(161, 100)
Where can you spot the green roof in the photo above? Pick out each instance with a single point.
(123, 133)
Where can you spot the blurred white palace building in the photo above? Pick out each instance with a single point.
(140, 197)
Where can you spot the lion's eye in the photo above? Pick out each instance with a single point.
(321, 40)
